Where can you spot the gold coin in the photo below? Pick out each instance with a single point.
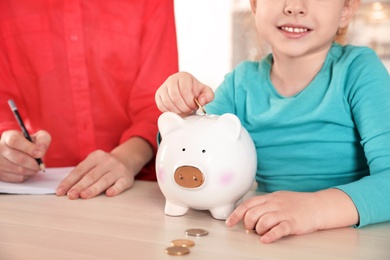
(177, 250)
(200, 106)
(248, 231)
(196, 232)
(182, 242)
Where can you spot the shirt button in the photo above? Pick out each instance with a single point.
(74, 38)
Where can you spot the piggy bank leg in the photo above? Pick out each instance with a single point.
(223, 212)
(173, 209)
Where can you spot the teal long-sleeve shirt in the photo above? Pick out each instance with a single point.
(334, 133)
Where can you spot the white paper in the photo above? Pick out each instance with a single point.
(41, 183)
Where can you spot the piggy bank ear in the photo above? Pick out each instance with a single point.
(168, 122)
(230, 125)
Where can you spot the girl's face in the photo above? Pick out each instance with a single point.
(301, 27)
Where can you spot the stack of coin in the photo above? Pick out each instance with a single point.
(181, 246)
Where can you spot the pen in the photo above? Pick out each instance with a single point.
(24, 129)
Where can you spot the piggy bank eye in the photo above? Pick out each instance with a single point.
(184, 149)
(203, 151)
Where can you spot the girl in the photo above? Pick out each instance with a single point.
(318, 113)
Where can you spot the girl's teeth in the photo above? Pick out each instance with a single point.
(294, 30)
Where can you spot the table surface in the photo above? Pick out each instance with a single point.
(133, 226)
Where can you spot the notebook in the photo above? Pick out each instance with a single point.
(41, 183)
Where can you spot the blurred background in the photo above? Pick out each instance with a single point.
(213, 36)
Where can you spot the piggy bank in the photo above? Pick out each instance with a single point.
(204, 162)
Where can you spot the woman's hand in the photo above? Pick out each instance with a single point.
(18, 155)
(111, 173)
(99, 172)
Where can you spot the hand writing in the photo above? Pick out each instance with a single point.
(17, 154)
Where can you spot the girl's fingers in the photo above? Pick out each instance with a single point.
(178, 92)
(242, 210)
(277, 232)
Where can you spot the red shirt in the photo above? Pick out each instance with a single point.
(86, 71)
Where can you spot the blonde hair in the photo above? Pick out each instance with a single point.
(341, 35)
(256, 46)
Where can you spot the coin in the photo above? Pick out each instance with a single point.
(200, 106)
(197, 232)
(182, 242)
(177, 250)
(248, 231)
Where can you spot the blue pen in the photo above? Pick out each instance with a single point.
(14, 109)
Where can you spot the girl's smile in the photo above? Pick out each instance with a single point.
(294, 31)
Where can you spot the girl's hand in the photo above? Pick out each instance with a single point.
(17, 154)
(284, 213)
(178, 92)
